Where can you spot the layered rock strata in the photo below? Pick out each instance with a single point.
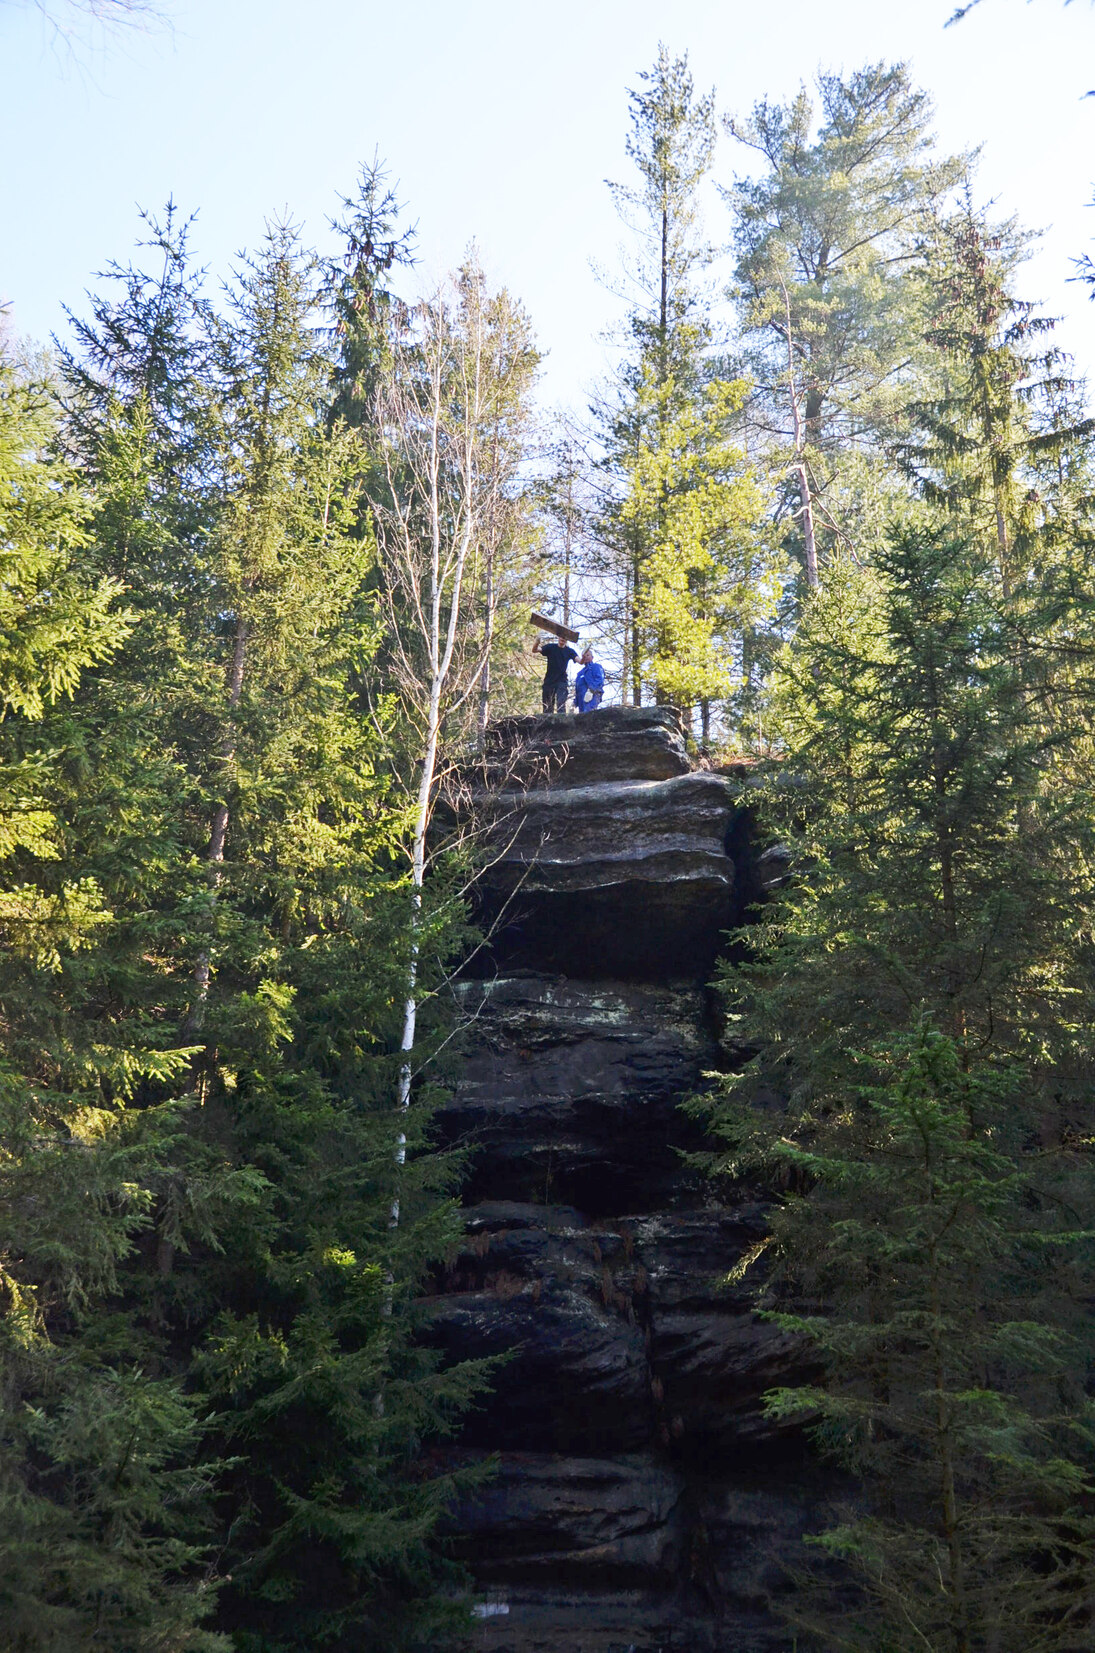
(610, 853)
(643, 1500)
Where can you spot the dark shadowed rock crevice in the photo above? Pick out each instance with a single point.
(644, 1500)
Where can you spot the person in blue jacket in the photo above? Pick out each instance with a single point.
(589, 685)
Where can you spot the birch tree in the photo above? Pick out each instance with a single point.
(450, 416)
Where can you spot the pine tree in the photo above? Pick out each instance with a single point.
(827, 240)
(366, 315)
(952, 1359)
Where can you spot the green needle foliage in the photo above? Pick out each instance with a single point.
(103, 1474)
(929, 1260)
(918, 1097)
(218, 1397)
(915, 1014)
(263, 567)
(699, 571)
(828, 230)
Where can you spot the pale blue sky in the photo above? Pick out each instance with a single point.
(501, 119)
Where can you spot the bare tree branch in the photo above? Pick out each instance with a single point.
(130, 13)
(67, 18)
(964, 11)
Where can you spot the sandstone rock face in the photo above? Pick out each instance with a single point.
(571, 1088)
(604, 842)
(617, 743)
(644, 1501)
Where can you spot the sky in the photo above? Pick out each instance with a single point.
(501, 121)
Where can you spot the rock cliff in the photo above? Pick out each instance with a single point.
(643, 1502)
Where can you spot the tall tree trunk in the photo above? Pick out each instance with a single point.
(806, 516)
(1002, 539)
(441, 649)
(636, 657)
(945, 849)
(566, 575)
(798, 467)
(945, 1447)
(663, 312)
(218, 834)
(488, 643)
(214, 860)
(418, 872)
(625, 665)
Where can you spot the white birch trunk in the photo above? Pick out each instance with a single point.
(445, 579)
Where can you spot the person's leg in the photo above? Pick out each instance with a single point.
(561, 699)
(594, 701)
(547, 698)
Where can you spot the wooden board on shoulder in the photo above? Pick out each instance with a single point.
(545, 624)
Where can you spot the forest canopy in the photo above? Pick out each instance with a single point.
(267, 555)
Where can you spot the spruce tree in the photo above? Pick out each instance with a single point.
(952, 1356)
(310, 1351)
(366, 315)
(226, 1050)
(914, 1002)
(913, 1005)
(104, 1476)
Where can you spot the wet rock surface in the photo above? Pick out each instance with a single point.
(643, 1501)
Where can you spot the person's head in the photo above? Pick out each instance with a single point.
(587, 657)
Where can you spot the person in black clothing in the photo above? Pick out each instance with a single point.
(558, 657)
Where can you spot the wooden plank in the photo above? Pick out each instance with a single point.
(545, 624)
